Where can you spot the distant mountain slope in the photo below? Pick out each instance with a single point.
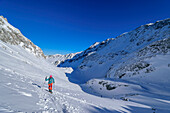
(124, 56)
(12, 35)
(58, 58)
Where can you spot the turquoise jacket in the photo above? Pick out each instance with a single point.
(50, 80)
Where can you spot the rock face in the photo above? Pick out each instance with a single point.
(12, 35)
(125, 56)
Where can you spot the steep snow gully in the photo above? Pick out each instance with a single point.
(23, 88)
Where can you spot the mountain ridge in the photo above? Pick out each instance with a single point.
(106, 53)
(12, 35)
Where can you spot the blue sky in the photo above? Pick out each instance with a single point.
(68, 26)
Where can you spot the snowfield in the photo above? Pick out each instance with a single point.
(23, 69)
(23, 87)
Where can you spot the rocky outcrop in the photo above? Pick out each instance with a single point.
(12, 35)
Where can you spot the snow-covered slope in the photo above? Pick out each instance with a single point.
(134, 66)
(22, 87)
(19, 71)
(58, 58)
(12, 35)
(124, 56)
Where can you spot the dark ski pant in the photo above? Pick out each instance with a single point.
(50, 87)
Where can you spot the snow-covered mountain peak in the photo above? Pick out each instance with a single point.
(95, 44)
(150, 24)
(12, 35)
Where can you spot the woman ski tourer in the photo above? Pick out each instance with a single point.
(50, 82)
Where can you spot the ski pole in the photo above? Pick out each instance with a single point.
(54, 85)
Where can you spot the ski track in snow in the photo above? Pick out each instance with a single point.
(55, 102)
